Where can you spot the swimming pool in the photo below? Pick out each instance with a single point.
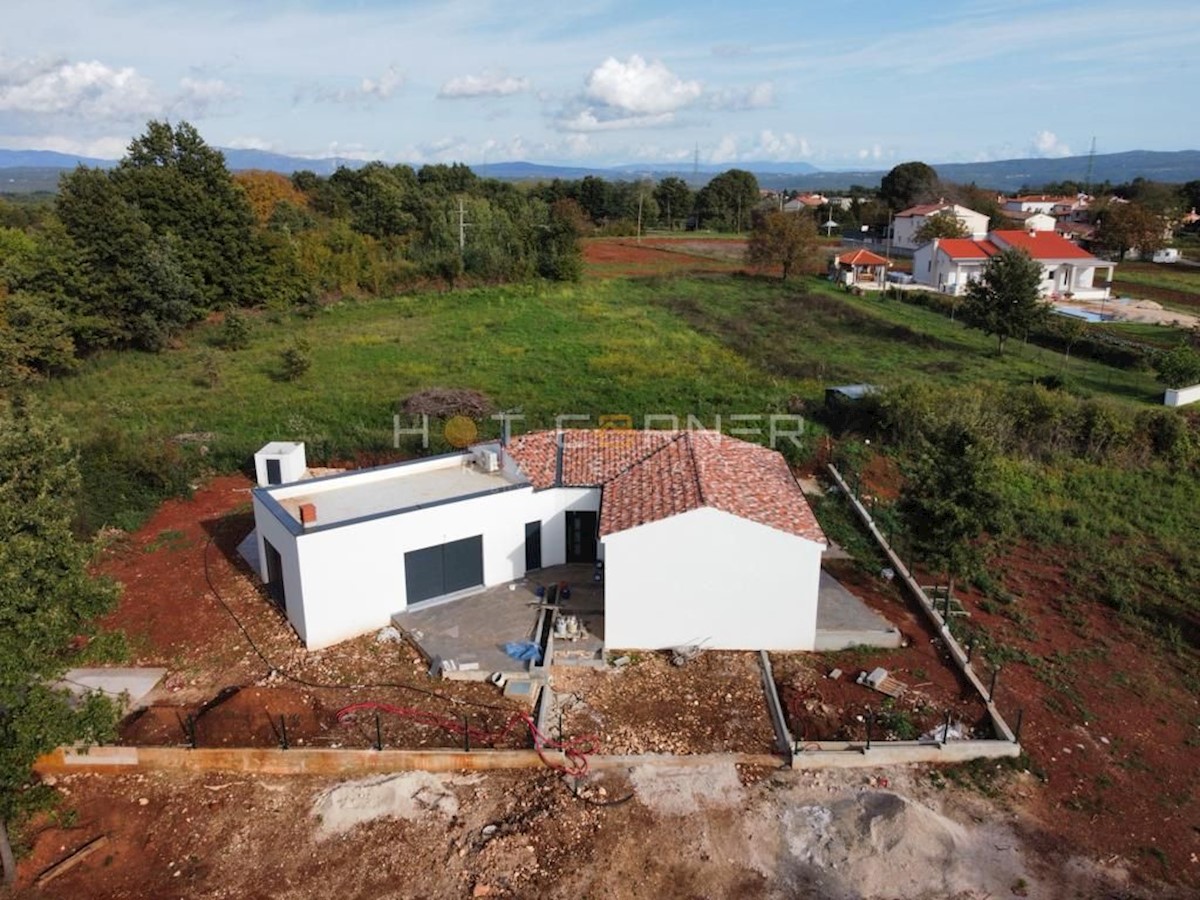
(1086, 314)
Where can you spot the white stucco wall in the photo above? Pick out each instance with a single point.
(350, 579)
(710, 577)
(904, 229)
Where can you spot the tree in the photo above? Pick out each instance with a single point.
(49, 605)
(949, 497)
(1007, 299)
(180, 185)
(943, 224)
(726, 202)
(1178, 368)
(1122, 227)
(787, 240)
(674, 200)
(908, 183)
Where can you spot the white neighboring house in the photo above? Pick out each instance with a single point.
(704, 538)
(1031, 221)
(908, 222)
(949, 264)
(1042, 203)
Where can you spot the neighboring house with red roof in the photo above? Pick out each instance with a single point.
(704, 538)
(948, 265)
(908, 222)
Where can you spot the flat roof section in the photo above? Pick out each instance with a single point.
(360, 495)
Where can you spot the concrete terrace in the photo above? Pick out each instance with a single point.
(471, 631)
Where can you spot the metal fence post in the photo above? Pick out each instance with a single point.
(283, 738)
(992, 689)
(378, 732)
(870, 726)
(946, 730)
(466, 734)
(1017, 730)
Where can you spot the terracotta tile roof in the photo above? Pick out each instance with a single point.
(1042, 244)
(965, 248)
(862, 258)
(922, 209)
(646, 476)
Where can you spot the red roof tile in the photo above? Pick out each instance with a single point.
(965, 248)
(647, 476)
(862, 258)
(1042, 244)
(922, 209)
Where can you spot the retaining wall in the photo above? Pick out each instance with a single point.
(957, 653)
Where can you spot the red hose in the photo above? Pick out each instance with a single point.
(576, 750)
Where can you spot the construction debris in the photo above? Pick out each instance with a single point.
(880, 680)
(681, 656)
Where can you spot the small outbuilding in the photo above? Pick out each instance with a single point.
(860, 267)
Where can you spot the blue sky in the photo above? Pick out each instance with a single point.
(835, 83)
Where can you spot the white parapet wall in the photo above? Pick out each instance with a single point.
(1181, 396)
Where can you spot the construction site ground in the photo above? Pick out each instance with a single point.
(647, 831)
(1117, 787)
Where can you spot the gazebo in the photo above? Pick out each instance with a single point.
(860, 267)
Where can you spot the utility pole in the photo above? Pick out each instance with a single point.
(463, 225)
(639, 221)
(1087, 182)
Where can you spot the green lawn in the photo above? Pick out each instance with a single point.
(687, 345)
(704, 346)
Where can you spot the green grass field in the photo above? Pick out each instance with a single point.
(702, 346)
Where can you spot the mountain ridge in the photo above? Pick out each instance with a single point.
(36, 169)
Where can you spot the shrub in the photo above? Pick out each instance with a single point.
(235, 332)
(296, 359)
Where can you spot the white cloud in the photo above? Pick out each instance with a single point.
(639, 87)
(587, 120)
(766, 145)
(1047, 144)
(758, 96)
(383, 87)
(249, 142)
(874, 153)
(90, 90)
(197, 96)
(489, 84)
(369, 90)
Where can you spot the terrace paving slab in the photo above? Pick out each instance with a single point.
(845, 621)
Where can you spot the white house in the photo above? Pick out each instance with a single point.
(908, 222)
(1031, 221)
(948, 264)
(1043, 203)
(704, 538)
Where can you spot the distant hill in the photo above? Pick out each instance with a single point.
(23, 171)
(47, 159)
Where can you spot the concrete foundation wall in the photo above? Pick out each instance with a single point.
(708, 577)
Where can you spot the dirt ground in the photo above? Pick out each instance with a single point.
(712, 831)
(712, 704)
(612, 257)
(1110, 730)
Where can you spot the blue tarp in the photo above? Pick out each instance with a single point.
(526, 651)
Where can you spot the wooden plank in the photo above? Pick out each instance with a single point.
(71, 861)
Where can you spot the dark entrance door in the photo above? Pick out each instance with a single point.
(274, 473)
(443, 569)
(274, 575)
(581, 537)
(533, 546)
